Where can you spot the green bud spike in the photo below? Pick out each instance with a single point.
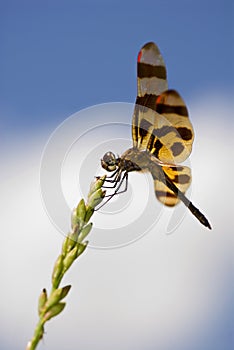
(85, 231)
(96, 198)
(65, 291)
(74, 220)
(81, 248)
(57, 271)
(53, 311)
(73, 246)
(96, 184)
(71, 241)
(81, 212)
(64, 246)
(71, 256)
(56, 296)
(89, 213)
(42, 301)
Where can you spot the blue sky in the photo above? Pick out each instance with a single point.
(58, 57)
(164, 291)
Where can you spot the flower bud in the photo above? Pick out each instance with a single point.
(96, 184)
(85, 231)
(89, 213)
(96, 198)
(56, 296)
(69, 258)
(53, 311)
(42, 301)
(57, 271)
(82, 247)
(81, 211)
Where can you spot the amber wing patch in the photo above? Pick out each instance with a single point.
(180, 176)
(172, 137)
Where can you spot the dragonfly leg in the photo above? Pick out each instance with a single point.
(114, 181)
(109, 177)
(116, 192)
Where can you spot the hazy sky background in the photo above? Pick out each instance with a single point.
(60, 56)
(165, 292)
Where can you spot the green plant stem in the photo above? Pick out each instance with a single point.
(73, 246)
(38, 335)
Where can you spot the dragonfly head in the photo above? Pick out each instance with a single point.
(109, 161)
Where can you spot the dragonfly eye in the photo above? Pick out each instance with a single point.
(109, 161)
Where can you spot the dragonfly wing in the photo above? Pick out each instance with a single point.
(160, 121)
(151, 82)
(172, 137)
(180, 176)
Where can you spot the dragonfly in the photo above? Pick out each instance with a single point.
(162, 137)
